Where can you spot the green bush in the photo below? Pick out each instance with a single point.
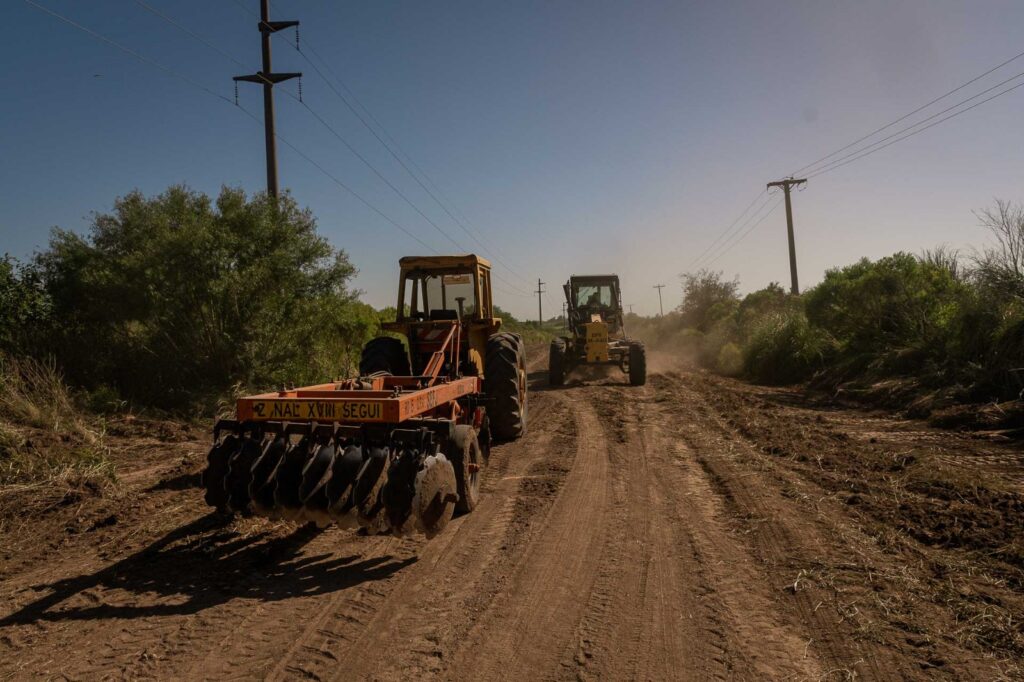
(173, 299)
(784, 348)
(730, 360)
(24, 306)
(892, 315)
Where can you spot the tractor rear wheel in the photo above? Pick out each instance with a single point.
(637, 364)
(556, 363)
(505, 385)
(467, 459)
(384, 354)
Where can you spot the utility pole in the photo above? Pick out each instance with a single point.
(786, 185)
(268, 79)
(630, 306)
(565, 316)
(661, 308)
(540, 315)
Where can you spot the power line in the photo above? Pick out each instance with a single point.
(874, 147)
(396, 155)
(908, 115)
(726, 230)
(195, 35)
(128, 50)
(335, 133)
(718, 253)
(747, 232)
(190, 81)
(380, 175)
(737, 229)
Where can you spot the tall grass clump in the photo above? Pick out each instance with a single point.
(44, 436)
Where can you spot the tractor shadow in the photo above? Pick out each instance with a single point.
(198, 566)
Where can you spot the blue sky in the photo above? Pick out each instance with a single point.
(575, 136)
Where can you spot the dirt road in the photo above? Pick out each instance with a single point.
(694, 528)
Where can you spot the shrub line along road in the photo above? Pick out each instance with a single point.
(694, 528)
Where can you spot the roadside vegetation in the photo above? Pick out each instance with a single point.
(926, 331)
(168, 304)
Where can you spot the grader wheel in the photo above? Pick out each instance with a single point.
(637, 364)
(556, 362)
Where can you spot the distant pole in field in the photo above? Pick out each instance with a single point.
(786, 185)
(565, 318)
(268, 79)
(630, 306)
(540, 313)
(661, 308)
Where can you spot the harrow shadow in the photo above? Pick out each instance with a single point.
(201, 565)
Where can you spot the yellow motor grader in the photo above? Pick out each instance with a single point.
(400, 448)
(598, 334)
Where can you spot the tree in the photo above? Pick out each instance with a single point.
(177, 297)
(707, 298)
(1001, 268)
(23, 306)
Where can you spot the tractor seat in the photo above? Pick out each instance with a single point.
(444, 314)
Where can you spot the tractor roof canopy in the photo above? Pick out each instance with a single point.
(465, 263)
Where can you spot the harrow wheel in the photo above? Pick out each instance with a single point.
(216, 471)
(400, 485)
(466, 459)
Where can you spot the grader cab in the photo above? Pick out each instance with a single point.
(398, 449)
(598, 333)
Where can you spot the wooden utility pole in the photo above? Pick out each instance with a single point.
(540, 314)
(268, 79)
(661, 308)
(786, 185)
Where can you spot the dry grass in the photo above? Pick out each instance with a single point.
(45, 439)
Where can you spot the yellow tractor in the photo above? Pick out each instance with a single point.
(598, 335)
(443, 298)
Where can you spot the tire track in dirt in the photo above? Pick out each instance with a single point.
(455, 581)
(409, 626)
(788, 541)
(525, 632)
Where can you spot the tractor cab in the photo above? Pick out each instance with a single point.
(445, 301)
(594, 298)
(446, 315)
